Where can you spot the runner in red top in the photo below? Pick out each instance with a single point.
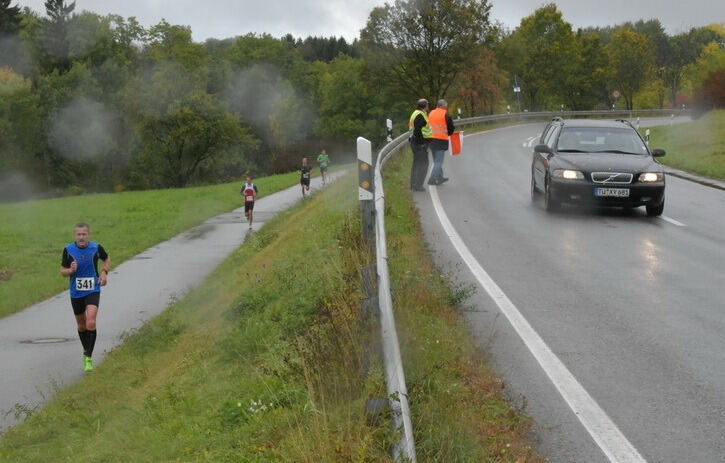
(249, 191)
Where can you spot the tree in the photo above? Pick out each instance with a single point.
(713, 90)
(684, 50)
(54, 36)
(9, 18)
(183, 129)
(182, 141)
(422, 45)
(631, 60)
(541, 53)
(481, 84)
(585, 73)
(711, 59)
(342, 91)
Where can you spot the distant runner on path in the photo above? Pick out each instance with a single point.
(249, 191)
(80, 263)
(323, 160)
(305, 171)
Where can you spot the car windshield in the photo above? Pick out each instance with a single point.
(600, 140)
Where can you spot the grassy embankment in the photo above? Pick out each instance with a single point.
(697, 146)
(33, 233)
(262, 362)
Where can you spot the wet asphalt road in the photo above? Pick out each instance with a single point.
(39, 347)
(633, 306)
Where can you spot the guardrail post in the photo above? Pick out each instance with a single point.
(365, 190)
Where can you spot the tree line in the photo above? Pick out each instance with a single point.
(100, 103)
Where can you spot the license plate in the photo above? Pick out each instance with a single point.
(612, 192)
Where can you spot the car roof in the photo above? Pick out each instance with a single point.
(603, 123)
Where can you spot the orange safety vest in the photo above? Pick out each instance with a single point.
(437, 122)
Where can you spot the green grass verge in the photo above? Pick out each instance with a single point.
(264, 361)
(697, 146)
(261, 363)
(33, 233)
(459, 414)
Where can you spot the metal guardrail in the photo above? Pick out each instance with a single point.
(394, 373)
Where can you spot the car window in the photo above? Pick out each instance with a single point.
(600, 139)
(551, 136)
(545, 133)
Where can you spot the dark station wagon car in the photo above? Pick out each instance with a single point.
(597, 163)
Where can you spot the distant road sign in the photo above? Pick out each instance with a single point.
(616, 94)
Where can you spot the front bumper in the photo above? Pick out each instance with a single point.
(640, 194)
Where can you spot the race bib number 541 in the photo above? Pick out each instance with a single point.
(85, 284)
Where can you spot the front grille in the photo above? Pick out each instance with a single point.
(616, 178)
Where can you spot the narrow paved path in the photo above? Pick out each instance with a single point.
(39, 346)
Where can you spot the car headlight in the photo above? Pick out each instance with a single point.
(649, 177)
(568, 174)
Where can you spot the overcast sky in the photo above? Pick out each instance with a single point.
(228, 18)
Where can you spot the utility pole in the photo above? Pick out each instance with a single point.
(517, 90)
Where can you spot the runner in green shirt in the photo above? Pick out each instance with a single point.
(323, 159)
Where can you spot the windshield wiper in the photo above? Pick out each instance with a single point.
(571, 151)
(615, 151)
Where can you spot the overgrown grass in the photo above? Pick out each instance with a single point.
(260, 363)
(459, 414)
(697, 146)
(33, 233)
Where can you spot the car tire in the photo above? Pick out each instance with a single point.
(655, 211)
(550, 204)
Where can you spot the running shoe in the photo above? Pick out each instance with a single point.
(87, 363)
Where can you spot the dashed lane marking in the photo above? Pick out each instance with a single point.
(672, 221)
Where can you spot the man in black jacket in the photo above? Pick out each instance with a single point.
(419, 145)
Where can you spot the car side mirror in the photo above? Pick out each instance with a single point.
(542, 149)
(658, 153)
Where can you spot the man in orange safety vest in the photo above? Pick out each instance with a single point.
(442, 128)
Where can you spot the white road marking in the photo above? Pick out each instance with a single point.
(602, 429)
(672, 221)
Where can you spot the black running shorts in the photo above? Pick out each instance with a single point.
(80, 303)
(248, 206)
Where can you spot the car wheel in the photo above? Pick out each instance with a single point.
(534, 191)
(550, 203)
(655, 211)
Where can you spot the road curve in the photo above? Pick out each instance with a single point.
(39, 346)
(631, 305)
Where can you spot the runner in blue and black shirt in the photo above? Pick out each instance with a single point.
(80, 264)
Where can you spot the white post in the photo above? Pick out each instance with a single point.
(365, 190)
(389, 125)
(646, 137)
(672, 118)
